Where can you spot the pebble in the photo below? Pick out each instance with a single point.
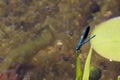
(59, 43)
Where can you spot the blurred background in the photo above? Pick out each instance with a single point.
(38, 38)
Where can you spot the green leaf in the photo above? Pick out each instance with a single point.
(78, 67)
(87, 66)
(107, 39)
(118, 77)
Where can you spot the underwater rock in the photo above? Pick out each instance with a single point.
(95, 8)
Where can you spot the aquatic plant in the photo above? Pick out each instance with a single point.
(90, 72)
(107, 40)
(95, 73)
(86, 73)
(106, 43)
(87, 66)
(118, 78)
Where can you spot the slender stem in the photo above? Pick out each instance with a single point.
(78, 67)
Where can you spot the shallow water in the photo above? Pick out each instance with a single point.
(58, 24)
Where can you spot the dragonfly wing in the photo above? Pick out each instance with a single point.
(83, 37)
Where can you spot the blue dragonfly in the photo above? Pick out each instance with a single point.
(83, 39)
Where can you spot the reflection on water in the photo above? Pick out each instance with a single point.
(30, 31)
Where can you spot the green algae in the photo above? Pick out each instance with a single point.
(25, 52)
